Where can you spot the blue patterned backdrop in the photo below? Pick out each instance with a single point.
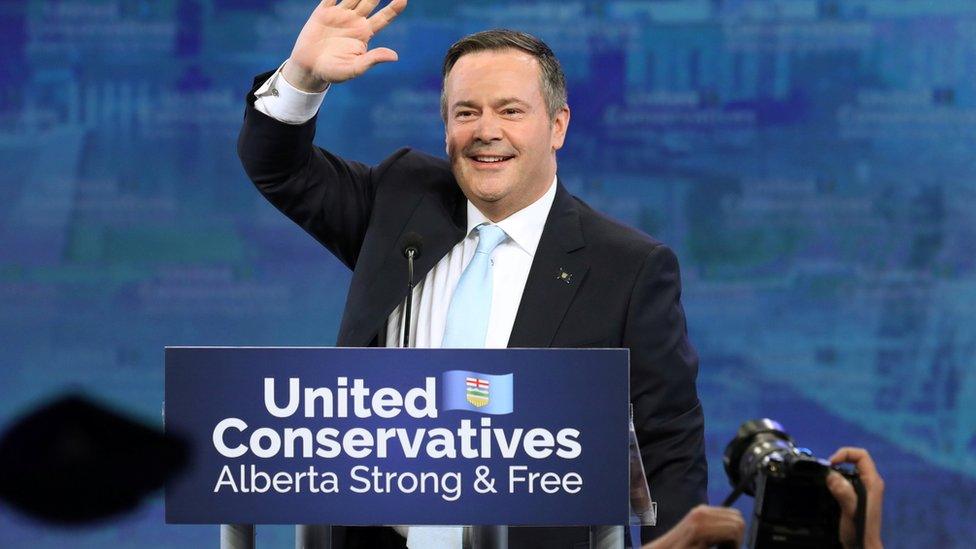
(811, 161)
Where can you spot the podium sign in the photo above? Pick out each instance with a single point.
(399, 436)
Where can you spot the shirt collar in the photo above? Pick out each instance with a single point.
(525, 226)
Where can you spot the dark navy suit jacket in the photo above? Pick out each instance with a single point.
(624, 291)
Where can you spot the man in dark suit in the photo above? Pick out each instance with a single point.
(573, 277)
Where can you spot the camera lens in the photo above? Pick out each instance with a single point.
(758, 443)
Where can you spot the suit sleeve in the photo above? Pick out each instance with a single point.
(331, 198)
(667, 414)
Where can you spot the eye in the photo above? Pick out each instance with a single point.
(461, 115)
(512, 111)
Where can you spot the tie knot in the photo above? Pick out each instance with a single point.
(489, 236)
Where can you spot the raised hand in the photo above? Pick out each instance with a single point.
(334, 43)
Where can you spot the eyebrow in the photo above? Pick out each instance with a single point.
(499, 103)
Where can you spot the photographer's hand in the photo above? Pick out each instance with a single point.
(703, 527)
(333, 44)
(843, 491)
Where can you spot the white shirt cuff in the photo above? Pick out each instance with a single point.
(286, 103)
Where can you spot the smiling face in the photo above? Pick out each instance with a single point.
(500, 139)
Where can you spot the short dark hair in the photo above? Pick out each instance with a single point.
(553, 80)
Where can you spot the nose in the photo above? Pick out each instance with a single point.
(488, 128)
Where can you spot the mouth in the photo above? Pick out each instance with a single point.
(489, 160)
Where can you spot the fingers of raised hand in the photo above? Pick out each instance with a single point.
(378, 55)
(361, 8)
(365, 7)
(389, 12)
(328, 15)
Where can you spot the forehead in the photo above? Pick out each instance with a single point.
(508, 73)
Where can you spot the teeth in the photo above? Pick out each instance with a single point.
(489, 158)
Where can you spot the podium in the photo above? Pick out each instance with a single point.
(356, 437)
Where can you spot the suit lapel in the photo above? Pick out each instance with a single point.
(440, 222)
(558, 269)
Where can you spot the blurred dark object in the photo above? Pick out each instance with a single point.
(74, 461)
(793, 507)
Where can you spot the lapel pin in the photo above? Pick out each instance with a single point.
(564, 276)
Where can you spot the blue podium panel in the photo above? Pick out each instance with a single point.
(399, 436)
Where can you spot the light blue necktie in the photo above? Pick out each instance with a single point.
(467, 316)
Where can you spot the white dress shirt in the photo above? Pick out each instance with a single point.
(510, 260)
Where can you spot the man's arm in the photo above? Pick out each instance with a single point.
(327, 196)
(667, 414)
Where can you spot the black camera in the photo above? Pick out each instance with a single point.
(793, 507)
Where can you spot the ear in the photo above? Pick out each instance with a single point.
(560, 125)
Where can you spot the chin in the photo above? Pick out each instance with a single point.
(485, 198)
(486, 192)
(490, 193)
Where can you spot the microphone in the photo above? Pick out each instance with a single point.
(413, 245)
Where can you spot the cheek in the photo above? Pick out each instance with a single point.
(455, 141)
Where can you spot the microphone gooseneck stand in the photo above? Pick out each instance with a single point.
(411, 254)
(413, 245)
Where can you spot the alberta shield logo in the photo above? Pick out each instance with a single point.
(477, 392)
